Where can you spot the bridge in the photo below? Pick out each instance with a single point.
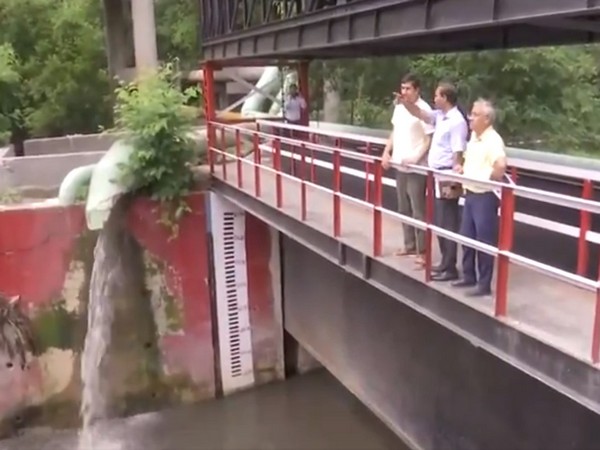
(518, 369)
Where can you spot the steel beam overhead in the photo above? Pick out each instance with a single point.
(237, 30)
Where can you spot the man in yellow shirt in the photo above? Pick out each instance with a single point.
(485, 159)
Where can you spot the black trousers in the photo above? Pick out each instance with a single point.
(447, 216)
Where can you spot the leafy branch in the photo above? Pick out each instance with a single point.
(151, 112)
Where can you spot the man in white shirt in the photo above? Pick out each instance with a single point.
(294, 106)
(408, 144)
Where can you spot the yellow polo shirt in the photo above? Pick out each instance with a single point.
(481, 154)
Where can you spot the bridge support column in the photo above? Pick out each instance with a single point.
(304, 87)
(119, 42)
(144, 35)
(208, 91)
(130, 32)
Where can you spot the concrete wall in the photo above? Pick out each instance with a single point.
(163, 351)
(45, 171)
(431, 386)
(79, 143)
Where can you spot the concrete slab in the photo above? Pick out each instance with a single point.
(545, 308)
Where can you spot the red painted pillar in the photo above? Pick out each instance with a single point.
(304, 87)
(208, 90)
(583, 251)
(505, 242)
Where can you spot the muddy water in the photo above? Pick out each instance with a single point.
(304, 413)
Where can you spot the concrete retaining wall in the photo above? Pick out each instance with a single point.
(434, 388)
(164, 333)
(45, 171)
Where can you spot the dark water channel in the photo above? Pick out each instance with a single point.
(307, 412)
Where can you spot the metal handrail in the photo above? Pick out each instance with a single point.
(566, 201)
(518, 162)
(563, 275)
(507, 208)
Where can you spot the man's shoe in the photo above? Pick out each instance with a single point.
(438, 269)
(463, 284)
(444, 276)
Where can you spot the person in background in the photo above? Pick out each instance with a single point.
(485, 159)
(447, 146)
(294, 106)
(408, 144)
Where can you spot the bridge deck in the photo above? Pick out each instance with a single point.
(552, 311)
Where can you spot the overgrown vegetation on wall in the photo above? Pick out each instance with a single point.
(151, 112)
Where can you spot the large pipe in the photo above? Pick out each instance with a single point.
(247, 73)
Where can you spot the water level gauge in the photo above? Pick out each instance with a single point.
(231, 288)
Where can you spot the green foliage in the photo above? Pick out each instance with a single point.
(53, 77)
(10, 196)
(547, 98)
(9, 79)
(151, 112)
(60, 60)
(177, 31)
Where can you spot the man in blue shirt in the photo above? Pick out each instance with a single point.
(447, 146)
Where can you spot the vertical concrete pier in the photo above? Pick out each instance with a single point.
(144, 34)
(130, 30)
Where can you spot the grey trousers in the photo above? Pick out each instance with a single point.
(410, 188)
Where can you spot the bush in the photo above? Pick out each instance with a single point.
(151, 112)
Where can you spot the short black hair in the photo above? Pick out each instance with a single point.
(449, 91)
(412, 79)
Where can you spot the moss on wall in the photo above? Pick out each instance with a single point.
(173, 312)
(54, 326)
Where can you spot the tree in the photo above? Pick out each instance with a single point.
(9, 79)
(61, 63)
(547, 98)
(177, 28)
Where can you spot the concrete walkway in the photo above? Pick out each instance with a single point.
(548, 309)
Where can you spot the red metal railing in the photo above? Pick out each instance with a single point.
(305, 176)
(583, 232)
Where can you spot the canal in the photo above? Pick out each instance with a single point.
(312, 411)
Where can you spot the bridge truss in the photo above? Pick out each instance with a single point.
(235, 30)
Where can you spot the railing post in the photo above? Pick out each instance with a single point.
(257, 162)
(513, 174)
(224, 152)
(429, 213)
(505, 242)
(337, 185)
(596, 326)
(312, 159)
(585, 224)
(277, 167)
(238, 156)
(368, 172)
(377, 219)
(303, 183)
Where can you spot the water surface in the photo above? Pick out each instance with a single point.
(308, 412)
